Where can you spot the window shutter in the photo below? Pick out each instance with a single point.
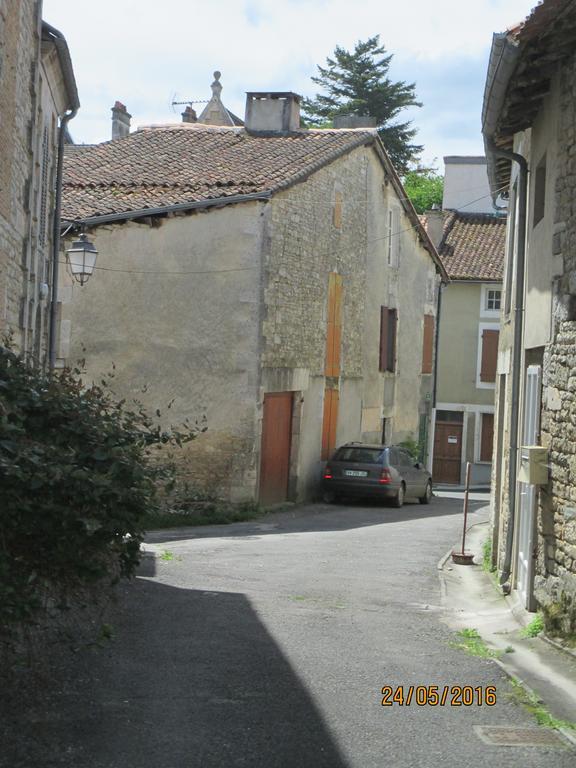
(391, 346)
(428, 344)
(489, 355)
(383, 339)
(487, 437)
(334, 325)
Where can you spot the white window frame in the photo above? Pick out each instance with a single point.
(484, 311)
(478, 432)
(484, 327)
(393, 227)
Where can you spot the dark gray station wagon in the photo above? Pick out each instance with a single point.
(387, 472)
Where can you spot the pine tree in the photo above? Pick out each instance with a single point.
(357, 83)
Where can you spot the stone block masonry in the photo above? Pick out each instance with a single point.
(555, 581)
(19, 41)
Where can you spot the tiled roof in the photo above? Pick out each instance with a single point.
(187, 163)
(473, 246)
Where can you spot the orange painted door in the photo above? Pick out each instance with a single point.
(329, 422)
(275, 447)
(447, 452)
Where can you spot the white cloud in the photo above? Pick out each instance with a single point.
(143, 52)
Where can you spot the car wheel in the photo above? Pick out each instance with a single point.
(399, 498)
(427, 494)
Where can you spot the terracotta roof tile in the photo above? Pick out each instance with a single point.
(168, 165)
(473, 246)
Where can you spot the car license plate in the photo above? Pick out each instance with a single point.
(355, 473)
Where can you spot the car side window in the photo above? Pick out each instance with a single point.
(393, 457)
(405, 459)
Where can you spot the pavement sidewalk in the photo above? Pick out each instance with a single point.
(472, 600)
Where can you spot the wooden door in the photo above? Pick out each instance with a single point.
(447, 452)
(275, 447)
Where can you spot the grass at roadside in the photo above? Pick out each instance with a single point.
(207, 513)
(469, 640)
(537, 709)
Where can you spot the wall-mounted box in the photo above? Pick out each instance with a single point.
(533, 465)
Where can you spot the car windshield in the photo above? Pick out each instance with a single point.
(358, 455)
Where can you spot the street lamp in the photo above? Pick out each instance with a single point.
(82, 258)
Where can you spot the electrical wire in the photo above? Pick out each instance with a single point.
(388, 236)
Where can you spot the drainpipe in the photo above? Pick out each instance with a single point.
(56, 238)
(516, 348)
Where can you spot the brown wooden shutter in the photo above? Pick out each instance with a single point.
(489, 355)
(383, 339)
(334, 325)
(428, 344)
(487, 437)
(329, 422)
(392, 324)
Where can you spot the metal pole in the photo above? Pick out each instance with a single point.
(468, 466)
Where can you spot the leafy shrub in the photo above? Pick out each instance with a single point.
(78, 472)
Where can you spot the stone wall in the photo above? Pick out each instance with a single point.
(555, 581)
(19, 20)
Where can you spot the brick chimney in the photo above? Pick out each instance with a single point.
(276, 112)
(189, 115)
(120, 121)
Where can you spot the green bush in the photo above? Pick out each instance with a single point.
(78, 473)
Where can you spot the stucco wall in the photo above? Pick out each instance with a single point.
(190, 337)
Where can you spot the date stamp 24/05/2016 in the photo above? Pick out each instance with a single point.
(438, 696)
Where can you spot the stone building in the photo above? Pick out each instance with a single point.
(529, 124)
(471, 245)
(37, 90)
(273, 280)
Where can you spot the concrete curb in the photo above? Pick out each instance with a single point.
(443, 560)
(556, 645)
(565, 732)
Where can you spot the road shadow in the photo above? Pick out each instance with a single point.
(191, 679)
(321, 517)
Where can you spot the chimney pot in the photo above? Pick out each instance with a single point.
(120, 121)
(189, 115)
(435, 225)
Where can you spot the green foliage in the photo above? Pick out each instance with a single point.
(78, 473)
(424, 188)
(469, 640)
(211, 512)
(534, 627)
(357, 83)
(487, 557)
(537, 708)
(413, 447)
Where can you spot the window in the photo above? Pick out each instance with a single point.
(488, 355)
(388, 323)
(43, 217)
(493, 298)
(539, 191)
(486, 436)
(393, 237)
(428, 344)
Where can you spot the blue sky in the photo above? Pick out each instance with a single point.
(146, 53)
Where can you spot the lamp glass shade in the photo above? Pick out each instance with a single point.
(82, 259)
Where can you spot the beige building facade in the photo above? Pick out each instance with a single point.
(287, 316)
(471, 244)
(37, 90)
(529, 118)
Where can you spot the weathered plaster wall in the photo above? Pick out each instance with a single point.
(190, 337)
(305, 245)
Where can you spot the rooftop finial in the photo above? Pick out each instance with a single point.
(217, 85)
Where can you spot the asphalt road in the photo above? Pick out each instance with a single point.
(266, 645)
